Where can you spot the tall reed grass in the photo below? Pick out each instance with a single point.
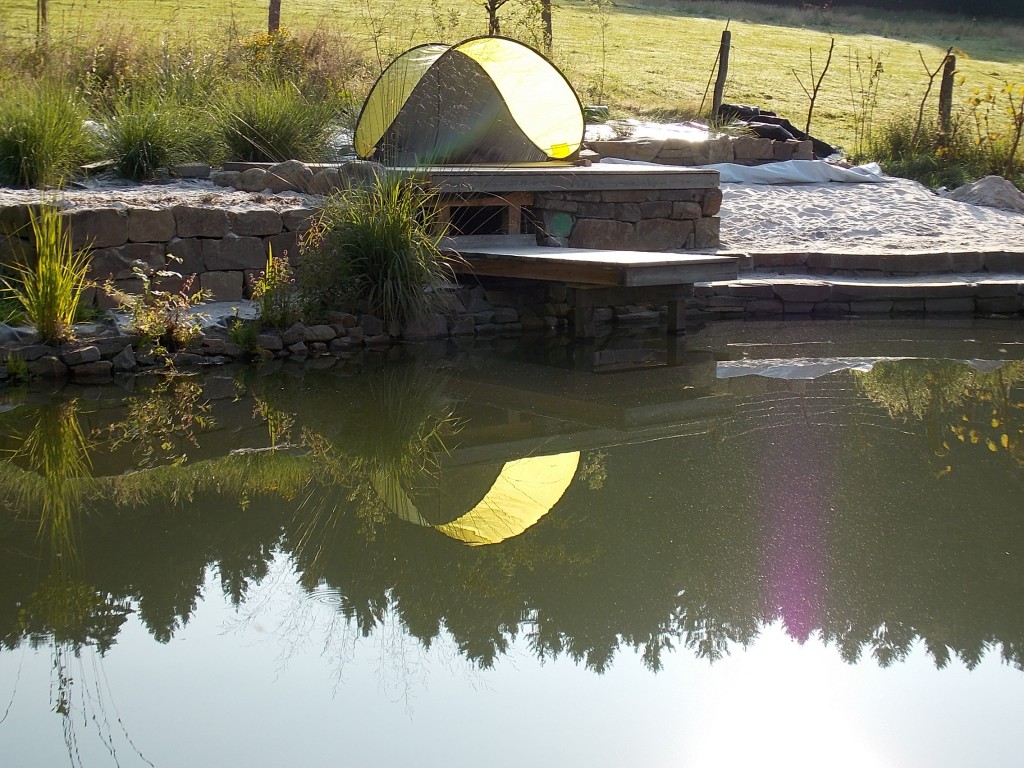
(49, 287)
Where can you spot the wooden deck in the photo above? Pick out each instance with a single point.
(596, 277)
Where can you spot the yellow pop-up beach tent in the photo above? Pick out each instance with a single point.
(484, 100)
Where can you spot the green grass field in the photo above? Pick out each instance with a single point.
(640, 58)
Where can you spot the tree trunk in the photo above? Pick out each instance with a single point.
(545, 18)
(274, 17)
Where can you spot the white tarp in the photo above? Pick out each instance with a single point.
(797, 172)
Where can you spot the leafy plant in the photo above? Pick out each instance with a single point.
(990, 135)
(274, 121)
(41, 135)
(377, 245)
(273, 290)
(244, 333)
(49, 287)
(163, 318)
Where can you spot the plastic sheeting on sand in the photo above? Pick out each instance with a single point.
(784, 172)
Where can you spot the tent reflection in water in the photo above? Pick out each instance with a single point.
(483, 504)
(484, 100)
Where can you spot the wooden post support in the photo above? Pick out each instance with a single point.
(946, 94)
(723, 71)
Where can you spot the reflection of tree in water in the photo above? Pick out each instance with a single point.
(959, 405)
(664, 554)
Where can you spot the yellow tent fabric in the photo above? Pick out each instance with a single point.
(524, 491)
(484, 100)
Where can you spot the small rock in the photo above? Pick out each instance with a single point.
(342, 318)
(320, 333)
(429, 327)
(187, 360)
(225, 178)
(291, 175)
(252, 180)
(214, 346)
(298, 348)
(95, 372)
(464, 326)
(360, 173)
(342, 344)
(270, 341)
(47, 367)
(371, 325)
(504, 315)
(35, 352)
(81, 356)
(294, 335)
(192, 171)
(124, 360)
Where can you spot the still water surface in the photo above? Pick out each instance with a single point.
(493, 555)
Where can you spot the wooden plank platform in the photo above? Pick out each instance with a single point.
(596, 277)
(521, 257)
(553, 177)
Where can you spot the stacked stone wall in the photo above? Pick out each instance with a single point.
(637, 220)
(222, 246)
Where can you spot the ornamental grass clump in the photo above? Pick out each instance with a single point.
(42, 139)
(376, 247)
(145, 133)
(274, 121)
(49, 286)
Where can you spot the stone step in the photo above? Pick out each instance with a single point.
(763, 293)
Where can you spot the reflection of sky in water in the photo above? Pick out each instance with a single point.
(287, 685)
(803, 504)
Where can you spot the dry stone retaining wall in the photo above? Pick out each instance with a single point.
(637, 220)
(222, 246)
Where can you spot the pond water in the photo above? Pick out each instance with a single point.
(797, 544)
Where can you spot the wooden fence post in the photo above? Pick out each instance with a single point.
(723, 71)
(946, 94)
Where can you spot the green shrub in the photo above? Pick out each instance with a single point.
(42, 139)
(272, 122)
(49, 288)
(377, 246)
